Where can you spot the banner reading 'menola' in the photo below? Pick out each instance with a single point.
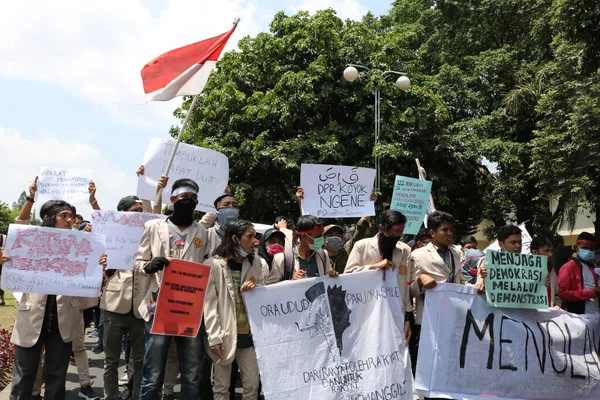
(469, 350)
(331, 338)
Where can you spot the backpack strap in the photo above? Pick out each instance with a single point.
(321, 255)
(288, 263)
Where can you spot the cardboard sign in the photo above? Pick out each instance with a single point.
(181, 299)
(336, 191)
(331, 338)
(123, 231)
(53, 261)
(516, 280)
(70, 185)
(469, 350)
(411, 198)
(208, 168)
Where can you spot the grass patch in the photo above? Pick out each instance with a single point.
(8, 312)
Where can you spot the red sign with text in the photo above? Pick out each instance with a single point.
(181, 299)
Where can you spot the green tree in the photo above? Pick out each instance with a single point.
(6, 217)
(281, 101)
(567, 143)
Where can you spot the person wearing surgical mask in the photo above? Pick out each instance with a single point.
(228, 209)
(334, 244)
(577, 280)
(307, 259)
(234, 269)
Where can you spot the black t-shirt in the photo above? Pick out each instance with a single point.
(244, 337)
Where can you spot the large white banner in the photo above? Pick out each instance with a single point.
(337, 191)
(208, 168)
(331, 338)
(53, 261)
(70, 185)
(123, 231)
(469, 350)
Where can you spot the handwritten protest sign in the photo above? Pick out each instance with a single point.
(325, 336)
(181, 299)
(336, 191)
(208, 168)
(70, 185)
(516, 280)
(411, 198)
(123, 231)
(53, 261)
(469, 350)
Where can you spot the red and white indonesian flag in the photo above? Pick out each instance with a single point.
(183, 71)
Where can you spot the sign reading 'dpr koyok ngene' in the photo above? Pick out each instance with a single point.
(53, 261)
(337, 191)
(469, 350)
(516, 280)
(331, 338)
(208, 168)
(123, 231)
(70, 185)
(411, 197)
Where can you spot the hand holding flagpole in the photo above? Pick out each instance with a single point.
(183, 72)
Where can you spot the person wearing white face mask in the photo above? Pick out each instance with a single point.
(577, 280)
(235, 269)
(228, 209)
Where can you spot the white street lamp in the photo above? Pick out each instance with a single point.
(350, 74)
(402, 83)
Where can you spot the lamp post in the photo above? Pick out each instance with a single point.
(402, 83)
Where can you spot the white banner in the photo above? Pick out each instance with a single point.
(337, 191)
(469, 350)
(70, 185)
(53, 261)
(208, 168)
(331, 338)
(525, 236)
(123, 231)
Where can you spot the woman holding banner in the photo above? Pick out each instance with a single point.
(50, 321)
(235, 269)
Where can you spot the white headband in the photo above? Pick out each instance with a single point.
(183, 189)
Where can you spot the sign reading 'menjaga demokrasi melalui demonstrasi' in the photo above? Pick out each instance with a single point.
(331, 338)
(516, 280)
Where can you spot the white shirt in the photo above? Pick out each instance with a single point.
(591, 306)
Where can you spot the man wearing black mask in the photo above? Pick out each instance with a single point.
(177, 237)
(384, 251)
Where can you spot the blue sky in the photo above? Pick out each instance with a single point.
(70, 84)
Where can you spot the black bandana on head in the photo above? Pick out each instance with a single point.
(51, 208)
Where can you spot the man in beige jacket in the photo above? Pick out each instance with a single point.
(123, 293)
(386, 252)
(437, 262)
(50, 321)
(178, 237)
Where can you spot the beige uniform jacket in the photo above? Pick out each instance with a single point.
(124, 290)
(366, 252)
(155, 243)
(214, 241)
(278, 266)
(219, 303)
(427, 260)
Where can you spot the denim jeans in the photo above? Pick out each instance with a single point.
(155, 361)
